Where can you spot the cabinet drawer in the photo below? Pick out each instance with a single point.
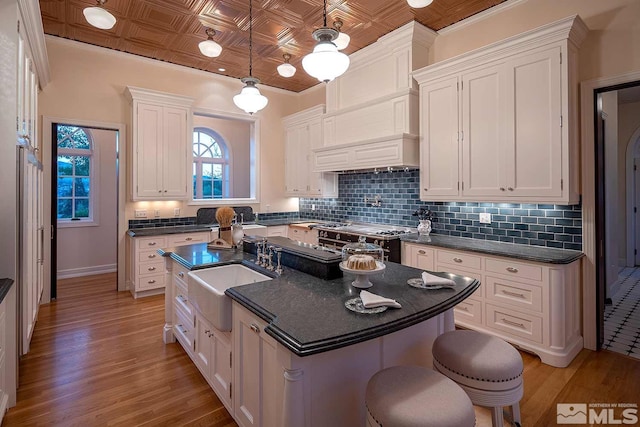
(181, 302)
(187, 239)
(153, 267)
(460, 259)
(477, 294)
(513, 293)
(155, 242)
(468, 311)
(515, 269)
(151, 282)
(147, 256)
(184, 330)
(514, 323)
(423, 258)
(180, 273)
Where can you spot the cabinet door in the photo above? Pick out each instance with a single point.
(174, 155)
(148, 166)
(314, 179)
(483, 137)
(439, 159)
(534, 124)
(203, 346)
(291, 160)
(221, 373)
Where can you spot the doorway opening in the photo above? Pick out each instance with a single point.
(84, 200)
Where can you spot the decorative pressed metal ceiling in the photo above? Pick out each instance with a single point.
(170, 30)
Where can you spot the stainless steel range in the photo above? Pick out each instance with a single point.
(336, 235)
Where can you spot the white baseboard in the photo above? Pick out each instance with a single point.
(87, 271)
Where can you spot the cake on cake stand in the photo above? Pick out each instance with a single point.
(362, 276)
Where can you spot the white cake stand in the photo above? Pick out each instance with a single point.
(362, 280)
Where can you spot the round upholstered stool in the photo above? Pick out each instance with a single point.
(414, 396)
(486, 367)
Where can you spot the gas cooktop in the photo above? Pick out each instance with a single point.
(366, 229)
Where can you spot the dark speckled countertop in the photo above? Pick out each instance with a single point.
(5, 287)
(511, 250)
(176, 229)
(307, 314)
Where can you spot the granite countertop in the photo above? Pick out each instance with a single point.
(307, 314)
(5, 287)
(175, 229)
(282, 221)
(511, 250)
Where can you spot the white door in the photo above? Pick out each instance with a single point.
(636, 216)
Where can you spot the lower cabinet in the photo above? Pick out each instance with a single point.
(213, 358)
(277, 230)
(535, 306)
(303, 233)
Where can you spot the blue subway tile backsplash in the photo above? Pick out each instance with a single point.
(161, 222)
(555, 226)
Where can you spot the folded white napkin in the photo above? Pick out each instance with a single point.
(431, 280)
(370, 300)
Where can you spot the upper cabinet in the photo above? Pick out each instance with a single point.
(500, 123)
(161, 132)
(303, 133)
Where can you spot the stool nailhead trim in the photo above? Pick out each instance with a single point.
(372, 416)
(479, 379)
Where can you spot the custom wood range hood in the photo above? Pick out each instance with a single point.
(372, 110)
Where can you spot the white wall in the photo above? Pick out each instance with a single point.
(93, 250)
(628, 123)
(8, 100)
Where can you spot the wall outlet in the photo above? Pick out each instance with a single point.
(141, 213)
(176, 211)
(156, 213)
(485, 218)
(313, 207)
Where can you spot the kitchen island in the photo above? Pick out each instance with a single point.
(300, 358)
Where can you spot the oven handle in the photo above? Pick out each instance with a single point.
(324, 240)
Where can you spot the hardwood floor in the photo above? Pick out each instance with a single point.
(97, 359)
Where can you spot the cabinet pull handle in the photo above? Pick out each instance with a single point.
(509, 322)
(510, 188)
(502, 188)
(255, 328)
(165, 191)
(425, 189)
(207, 331)
(512, 269)
(421, 252)
(188, 238)
(152, 256)
(151, 268)
(151, 243)
(463, 308)
(513, 294)
(159, 191)
(181, 274)
(151, 281)
(457, 259)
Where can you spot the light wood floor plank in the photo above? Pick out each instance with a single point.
(97, 359)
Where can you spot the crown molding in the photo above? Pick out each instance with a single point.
(481, 16)
(34, 32)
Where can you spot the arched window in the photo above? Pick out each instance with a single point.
(210, 165)
(75, 183)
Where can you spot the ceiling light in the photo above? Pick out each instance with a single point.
(250, 99)
(325, 62)
(417, 4)
(343, 38)
(209, 47)
(99, 17)
(286, 69)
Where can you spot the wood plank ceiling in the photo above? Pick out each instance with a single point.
(170, 30)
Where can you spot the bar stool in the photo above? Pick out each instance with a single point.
(486, 367)
(414, 396)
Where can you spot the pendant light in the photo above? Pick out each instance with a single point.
(286, 69)
(250, 99)
(343, 39)
(325, 63)
(209, 47)
(417, 4)
(99, 17)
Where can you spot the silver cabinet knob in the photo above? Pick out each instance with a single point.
(510, 188)
(457, 260)
(255, 328)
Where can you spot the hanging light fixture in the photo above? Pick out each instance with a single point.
(99, 17)
(250, 99)
(325, 63)
(286, 69)
(343, 39)
(417, 4)
(209, 47)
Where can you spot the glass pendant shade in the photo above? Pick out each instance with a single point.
(286, 69)
(250, 99)
(417, 4)
(325, 63)
(210, 48)
(99, 18)
(342, 41)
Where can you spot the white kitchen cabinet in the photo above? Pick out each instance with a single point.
(303, 133)
(496, 123)
(8, 350)
(160, 149)
(302, 233)
(533, 305)
(147, 267)
(418, 256)
(257, 381)
(277, 230)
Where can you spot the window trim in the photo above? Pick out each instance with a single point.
(94, 157)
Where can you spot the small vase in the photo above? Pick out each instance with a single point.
(424, 228)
